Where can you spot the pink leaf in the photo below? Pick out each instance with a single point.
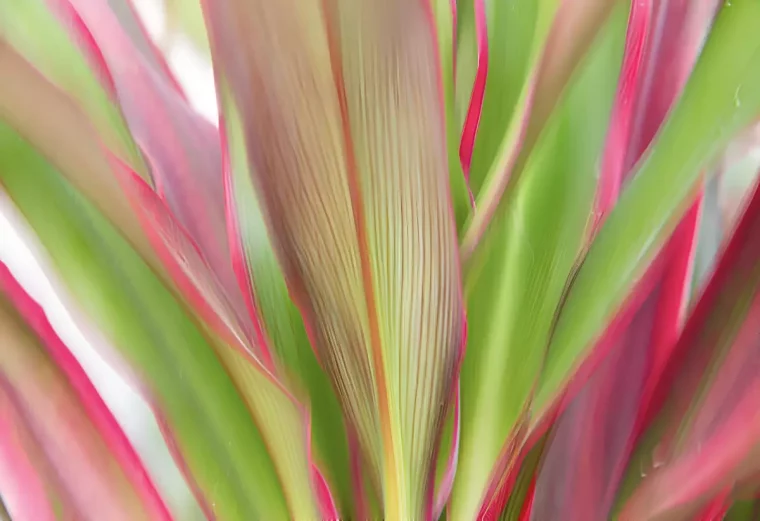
(96, 411)
(472, 119)
(22, 486)
(606, 417)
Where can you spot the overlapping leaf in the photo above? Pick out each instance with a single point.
(207, 425)
(445, 14)
(52, 50)
(184, 220)
(526, 78)
(677, 155)
(720, 99)
(61, 427)
(518, 277)
(261, 278)
(703, 445)
(347, 149)
(328, 219)
(593, 438)
(46, 117)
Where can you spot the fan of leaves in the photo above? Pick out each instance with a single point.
(434, 258)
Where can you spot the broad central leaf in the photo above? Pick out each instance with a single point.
(343, 108)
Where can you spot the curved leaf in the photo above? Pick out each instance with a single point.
(706, 437)
(262, 280)
(207, 424)
(592, 439)
(183, 155)
(518, 276)
(347, 150)
(561, 36)
(95, 467)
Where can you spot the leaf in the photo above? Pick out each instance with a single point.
(158, 346)
(659, 33)
(561, 37)
(517, 278)
(444, 12)
(475, 106)
(181, 148)
(516, 501)
(259, 273)
(592, 439)
(448, 458)
(598, 421)
(358, 210)
(706, 436)
(637, 63)
(725, 87)
(132, 23)
(46, 117)
(465, 59)
(53, 52)
(502, 36)
(743, 511)
(48, 393)
(25, 484)
(185, 222)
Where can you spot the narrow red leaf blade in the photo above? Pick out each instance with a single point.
(472, 118)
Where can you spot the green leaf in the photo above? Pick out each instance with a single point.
(513, 37)
(210, 428)
(522, 496)
(358, 203)
(561, 38)
(46, 117)
(30, 28)
(721, 97)
(743, 511)
(53, 417)
(518, 276)
(204, 279)
(466, 59)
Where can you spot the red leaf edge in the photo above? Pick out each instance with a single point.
(20, 483)
(93, 404)
(475, 108)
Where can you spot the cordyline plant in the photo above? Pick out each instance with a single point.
(436, 260)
